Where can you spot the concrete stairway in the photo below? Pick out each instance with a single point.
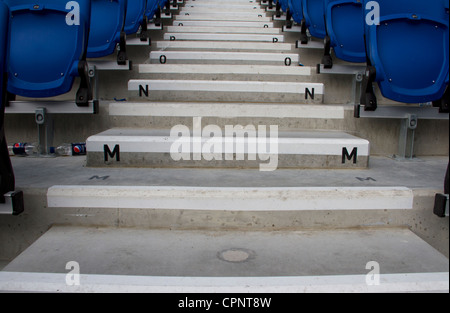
(231, 167)
(214, 70)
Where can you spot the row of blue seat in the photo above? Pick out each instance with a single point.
(6, 171)
(44, 45)
(48, 41)
(405, 43)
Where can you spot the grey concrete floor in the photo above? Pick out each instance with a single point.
(426, 172)
(113, 251)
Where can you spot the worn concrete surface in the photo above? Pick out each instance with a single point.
(112, 251)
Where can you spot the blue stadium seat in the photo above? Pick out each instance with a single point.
(296, 8)
(408, 52)
(4, 12)
(152, 9)
(313, 19)
(46, 48)
(281, 6)
(136, 17)
(107, 29)
(284, 5)
(344, 21)
(7, 182)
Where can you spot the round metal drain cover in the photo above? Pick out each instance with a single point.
(236, 255)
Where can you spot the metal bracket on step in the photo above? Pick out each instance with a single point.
(13, 203)
(103, 65)
(340, 69)
(406, 137)
(310, 45)
(52, 107)
(409, 117)
(44, 123)
(401, 112)
(139, 42)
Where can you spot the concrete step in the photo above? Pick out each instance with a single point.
(88, 259)
(275, 38)
(227, 110)
(253, 17)
(210, 199)
(227, 24)
(249, 10)
(219, 2)
(262, 147)
(237, 46)
(223, 5)
(224, 71)
(212, 29)
(225, 91)
(387, 194)
(228, 58)
(164, 115)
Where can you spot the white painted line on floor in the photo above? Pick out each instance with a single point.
(220, 2)
(227, 24)
(226, 86)
(293, 70)
(389, 283)
(218, 11)
(218, 30)
(231, 198)
(292, 143)
(226, 110)
(293, 29)
(282, 58)
(222, 6)
(225, 45)
(207, 17)
(224, 37)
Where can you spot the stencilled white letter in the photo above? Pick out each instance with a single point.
(73, 17)
(373, 17)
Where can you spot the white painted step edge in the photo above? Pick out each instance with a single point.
(226, 110)
(282, 146)
(227, 17)
(230, 198)
(226, 86)
(275, 38)
(389, 283)
(217, 30)
(291, 59)
(273, 70)
(227, 45)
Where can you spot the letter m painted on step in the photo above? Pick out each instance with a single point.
(353, 155)
(115, 153)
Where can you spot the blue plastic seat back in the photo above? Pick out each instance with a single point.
(314, 14)
(7, 181)
(410, 49)
(296, 7)
(45, 45)
(3, 34)
(345, 27)
(284, 5)
(135, 15)
(107, 22)
(152, 6)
